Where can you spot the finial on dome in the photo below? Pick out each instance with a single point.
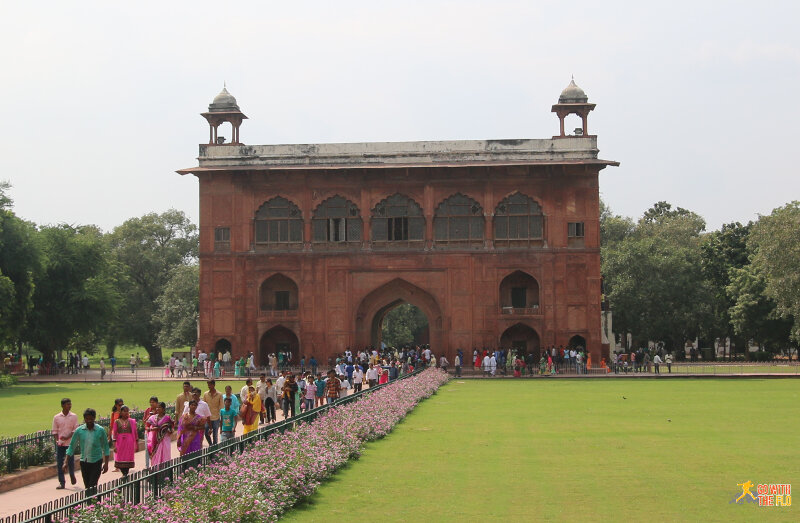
(573, 94)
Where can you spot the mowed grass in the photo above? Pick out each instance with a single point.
(570, 450)
(29, 407)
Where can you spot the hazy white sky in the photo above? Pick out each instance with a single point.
(101, 100)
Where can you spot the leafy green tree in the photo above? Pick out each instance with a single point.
(721, 252)
(613, 227)
(403, 325)
(74, 295)
(775, 246)
(20, 261)
(178, 308)
(754, 314)
(148, 249)
(653, 278)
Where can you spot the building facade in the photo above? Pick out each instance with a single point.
(305, 248)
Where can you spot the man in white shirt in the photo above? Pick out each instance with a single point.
(372, 375)
(492, 365)
(261, 389)
(486, 368)
(202, 407)
(279, 389)
(657, 362)
(243, 393)
(344, 387)
(358, 378)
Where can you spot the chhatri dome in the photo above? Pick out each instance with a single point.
(573, 94)
(223, 102)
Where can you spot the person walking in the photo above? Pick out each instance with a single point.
(668, 359)
(183, 398)
(228, 417)
(457, 364)
(358, 378)
(657, 363)
(333, 386)
(160, 426)
(214, 401)
(149, 411)
(133, 364)
(250, 409)
(64, 425)
(93, 443)
(289, 396)
(261, 389)
(125, 438)
(269, 403)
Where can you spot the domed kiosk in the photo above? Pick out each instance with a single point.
(573, 100)
(223, 109)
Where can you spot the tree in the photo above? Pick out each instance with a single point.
(74, 296)
(178, 308)
(775, 246)
(653, 279)
(148, 249)
(754, 314)
(721, 252)
(613, 227)
(20, 261)
(403, 325)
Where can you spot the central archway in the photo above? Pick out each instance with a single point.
(375, 305)
(400, 324)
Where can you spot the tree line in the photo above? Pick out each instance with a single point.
(75, 288)
(669, 280)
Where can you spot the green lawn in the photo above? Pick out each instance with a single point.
(571, 450)
(28, 407)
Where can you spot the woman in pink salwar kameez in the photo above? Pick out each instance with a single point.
(158, 438)
(126, 441)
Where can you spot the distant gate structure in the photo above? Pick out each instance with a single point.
(305, 248)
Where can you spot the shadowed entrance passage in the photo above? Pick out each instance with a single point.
(377, 304)
(279, 340)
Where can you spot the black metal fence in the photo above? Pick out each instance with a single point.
(38, 448)
(148, 483)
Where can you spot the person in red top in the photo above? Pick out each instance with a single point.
(332, 387)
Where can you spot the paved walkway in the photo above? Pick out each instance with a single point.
(17, 500)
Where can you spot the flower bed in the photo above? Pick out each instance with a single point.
(271, 476)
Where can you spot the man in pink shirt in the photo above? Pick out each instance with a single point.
(64, 425)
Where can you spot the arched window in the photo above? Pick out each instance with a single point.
(458, 221)
(278, 293)
(279, 222)
(397, 220)
(518, 222)
(336, 221)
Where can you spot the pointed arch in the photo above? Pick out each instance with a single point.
(279, 221)
(375, 304)
(521, 337)
(519, 293)
(278, 293)
(458, 222)
(397, 221)
(518, 222)
(279, 339)
(336, 220)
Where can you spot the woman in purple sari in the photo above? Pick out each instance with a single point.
(159, 430)
(190, 431)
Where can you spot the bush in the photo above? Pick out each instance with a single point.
(760, 356)
(7, 380)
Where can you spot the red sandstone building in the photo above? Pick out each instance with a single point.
(307, 247)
